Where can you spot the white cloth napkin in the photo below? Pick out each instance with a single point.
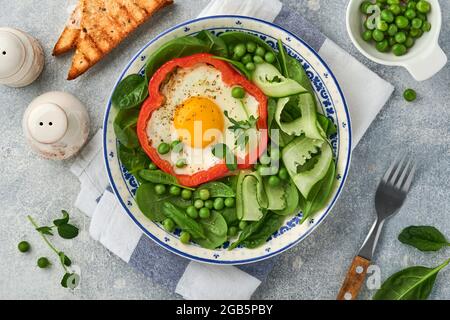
(365, 92)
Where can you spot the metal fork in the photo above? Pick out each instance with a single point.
(390, 195)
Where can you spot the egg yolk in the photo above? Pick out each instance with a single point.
(199, 122)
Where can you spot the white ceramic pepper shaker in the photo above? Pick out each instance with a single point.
(21, 58)
(56, 125)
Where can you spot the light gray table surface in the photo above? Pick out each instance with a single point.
(315, 268)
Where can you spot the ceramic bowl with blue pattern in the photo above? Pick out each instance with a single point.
(332, 104)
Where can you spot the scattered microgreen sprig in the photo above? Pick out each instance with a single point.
(66, 231)
(240, 128)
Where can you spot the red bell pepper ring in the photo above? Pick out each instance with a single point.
(155, 100)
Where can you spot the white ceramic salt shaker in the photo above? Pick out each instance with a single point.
(56, 125)
(21, 58)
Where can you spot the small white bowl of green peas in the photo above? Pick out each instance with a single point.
(398, 33)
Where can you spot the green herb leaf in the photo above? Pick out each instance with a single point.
(216, 189)
(45, 230)
(67, 231)
(414, 283)
(222, 151)
(130, 92)
(64, 220)
(424, 238)
(65, 260)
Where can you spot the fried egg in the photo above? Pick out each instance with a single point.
(196, 100)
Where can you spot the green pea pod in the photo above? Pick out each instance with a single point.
(160, 177)
(183, 221)
(216, 189)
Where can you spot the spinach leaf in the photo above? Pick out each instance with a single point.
(134, 160)
(326, 124)
(216, 189)
(216, 45)
(183, 221)
(176, 48)
(230, 216)
(222, 151)
(256, 233)
(130, 92)
(414, 283)
(270, 225)
(160, 177)
(215, 229)
(238, 65)
(125, 127)
(151, 204)
(424, 238)
(319, 194)
(67, 231)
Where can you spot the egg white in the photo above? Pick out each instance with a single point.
(201, 80)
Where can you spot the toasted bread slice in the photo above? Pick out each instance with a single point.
(104, 24)
(68, 39)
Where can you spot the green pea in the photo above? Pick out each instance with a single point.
(204, 194)
(251, 47)
(274, 181)
(391, 41)
(409, 42)
(367, 35)
(186, 194)
(192, 212)
(199, 204)
(175, 190)
(163, 148)
(401, 22)
(283, 174)
(411, 5)
(416, 23)
(399, 49)
(265, 159)
(242, 225)
(160, 189)
(269, 57)
(232, 231)
(23, 246)
(426, 26)
(422, 16)
(238, 92)
(364, 6)
(393, 1)
(204, 213)
(229, 202)
(378, 35)
(209, 204)
(181, 163)
(247, 58)
(409, 95)
(423, 6)
(152, 166)
(382, 46)
(382, 25)
(43, 262)
(219, 204)
(176, 146)
(275, 154)
(250, 66)
(258, 59)
(168, 225)
(260, 51)
(240, 50)
(400, 37)
(410, 14)
(392, 30)
(262, 170)
(185, 237)
(387, 15)
(414, 32)
(395, 8)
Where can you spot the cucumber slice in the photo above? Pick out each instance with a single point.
(276, 196)
(292, 200)
(273, 83)
(252, 209)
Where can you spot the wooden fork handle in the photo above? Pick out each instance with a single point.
(355, 278)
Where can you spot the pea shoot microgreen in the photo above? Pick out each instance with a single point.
(240, 129)
(66, 231)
